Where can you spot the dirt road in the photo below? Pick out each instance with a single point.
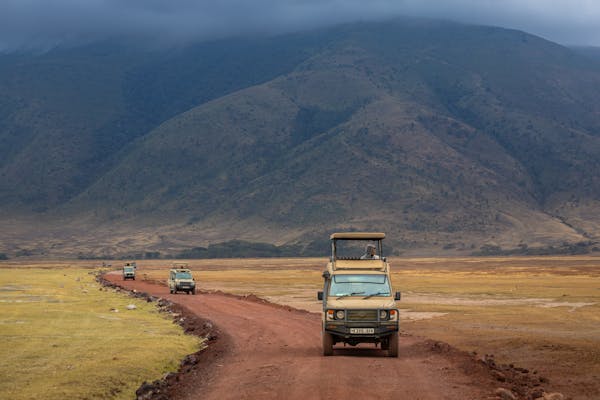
(264, 351)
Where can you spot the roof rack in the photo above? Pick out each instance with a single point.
(358, 235)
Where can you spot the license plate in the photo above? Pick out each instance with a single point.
(362, 331)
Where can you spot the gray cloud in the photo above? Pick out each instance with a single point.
(34, 23)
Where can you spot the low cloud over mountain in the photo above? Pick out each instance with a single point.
(45, 23)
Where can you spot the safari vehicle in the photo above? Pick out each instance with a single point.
(128, 272)
(359, 305)
(181, 279)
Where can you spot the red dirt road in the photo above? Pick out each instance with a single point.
(270, 352)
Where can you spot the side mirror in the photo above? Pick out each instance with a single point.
(319, 295)
(397, 296)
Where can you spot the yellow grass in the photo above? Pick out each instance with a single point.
(59, 338)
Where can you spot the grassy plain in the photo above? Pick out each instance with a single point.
(59, 338)
(540, 313)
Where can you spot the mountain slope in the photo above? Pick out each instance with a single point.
(445, 135)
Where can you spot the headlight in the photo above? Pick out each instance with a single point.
(383, 314)
(339, 314)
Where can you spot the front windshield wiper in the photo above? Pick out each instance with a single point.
(376, 294)
(350, 294)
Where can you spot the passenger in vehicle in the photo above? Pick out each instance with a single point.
(370, 253)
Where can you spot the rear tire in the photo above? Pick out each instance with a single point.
(393, 345)
(327, 344)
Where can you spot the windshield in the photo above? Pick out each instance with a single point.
(360, 285)
(128, 269)
(183, 275)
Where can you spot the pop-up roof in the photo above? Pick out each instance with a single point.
(358, 235)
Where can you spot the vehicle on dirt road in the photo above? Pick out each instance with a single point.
(181, 280)
(359, 305)
(128, 272)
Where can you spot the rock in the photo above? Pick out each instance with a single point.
(114, 310)
(536, 394)
(553, 396)
(440, 347)
(505, 394)
(131, 307)
(498, 375)
(189, 360)
(169, 376)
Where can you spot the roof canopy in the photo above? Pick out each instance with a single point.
(358, 235)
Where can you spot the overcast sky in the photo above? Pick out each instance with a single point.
(32, 23)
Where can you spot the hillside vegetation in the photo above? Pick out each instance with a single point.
(449, 137)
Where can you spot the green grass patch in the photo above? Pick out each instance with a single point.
(59, 338)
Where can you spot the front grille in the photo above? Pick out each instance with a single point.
(361, 315)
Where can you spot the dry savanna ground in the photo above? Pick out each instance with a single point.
(540, 313)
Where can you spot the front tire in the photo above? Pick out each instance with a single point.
(385, 344)
(327, 344)
(393, 345)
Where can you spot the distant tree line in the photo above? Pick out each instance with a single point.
(245, 249)
(583, 247)
(229, 249)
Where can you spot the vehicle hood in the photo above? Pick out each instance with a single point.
(360, 303)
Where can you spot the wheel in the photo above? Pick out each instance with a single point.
(393, 345)
(133, 278)
(327, 344)
(193, 291)
(385, 344)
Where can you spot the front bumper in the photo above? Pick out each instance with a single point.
(343, 328)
